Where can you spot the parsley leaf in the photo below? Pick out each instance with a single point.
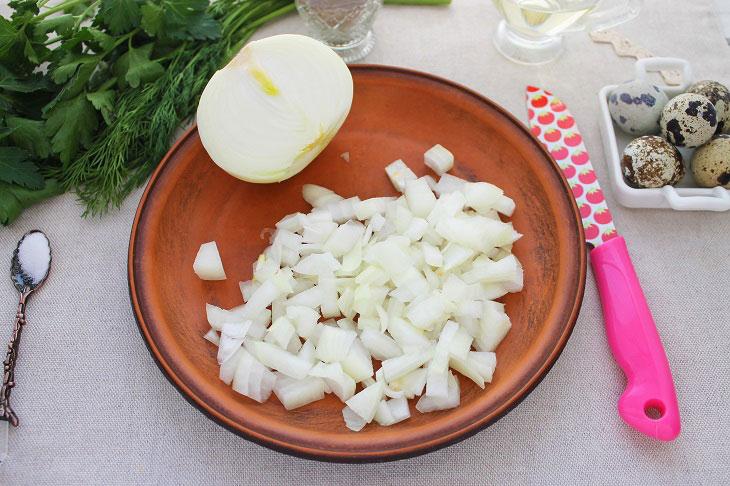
(71, 124)
(120, 15)
(70, 63)
(179, 20)
(29, 135)
(62, 25)
(104, 102)
(27, 84)
(23, 7)
(17, 48)
(135, 67)
(16, 168)
(14, 198)
(5, 131)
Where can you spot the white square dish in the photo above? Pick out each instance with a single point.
(685, 196)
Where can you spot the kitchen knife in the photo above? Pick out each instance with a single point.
(649, 403)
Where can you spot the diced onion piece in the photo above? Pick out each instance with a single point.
(344, 238)
(484, 363)
(318, 196)
(368, 208)
(392, 411)
(293, 393)
(429, 404)
(248, 288)
(345, 156)
(476, 232)
(437, 382)
(448, 184)
(292, 222)
(408, 337)
(358, 362)
(311, 298)
(505, 206)
(505, 270)
(307, 352)
(353, 421)
(399, 173)
(438, 159)
(345, 303)
(334, 344)
(261, 299)
(212, 336)
(278, 359)
(394, 368)
(454, 255)
(252, 378)
(390, 257)
(267, 114)
(228, 367)
(380, 346)
(416, 228)
(339, 212)
(260, 322)
(414, 382)
(365, 403)
(232, 336)
(481, 196)
(317, 264)
(280, 332)
(341, 384)
(494, 327)
(328, 291)
(208, 264)
(317, 233)
(431, 254)
(420, 197)
(465, 367)
(217, 316)
(460, 344)
(352, 259)
(428, 312)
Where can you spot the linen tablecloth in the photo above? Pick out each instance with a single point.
(95, 409)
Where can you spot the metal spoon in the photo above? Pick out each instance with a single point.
(29, 268)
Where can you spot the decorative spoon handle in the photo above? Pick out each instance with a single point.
(6, 412)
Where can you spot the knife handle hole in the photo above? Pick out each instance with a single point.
(654, 409)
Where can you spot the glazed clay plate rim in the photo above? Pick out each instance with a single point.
(375, 455)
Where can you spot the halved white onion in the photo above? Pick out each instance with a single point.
(274, 107)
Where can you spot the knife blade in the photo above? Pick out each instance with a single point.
(649, 402)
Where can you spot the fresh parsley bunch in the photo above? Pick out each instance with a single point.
(91, 92)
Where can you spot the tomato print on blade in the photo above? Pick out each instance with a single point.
(554, 126)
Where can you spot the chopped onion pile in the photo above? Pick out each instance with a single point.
(410, 282)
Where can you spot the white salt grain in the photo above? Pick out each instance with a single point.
(34, 255)
(345, 156)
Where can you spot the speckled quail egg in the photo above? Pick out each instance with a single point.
(719, 96)
(688, 120)
(636, 106)
(711, 163)
(651, 161)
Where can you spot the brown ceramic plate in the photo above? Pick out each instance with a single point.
(396, 113)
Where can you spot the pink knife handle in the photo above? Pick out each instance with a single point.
(635, 343)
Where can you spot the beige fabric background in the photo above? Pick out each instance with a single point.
(95, 409)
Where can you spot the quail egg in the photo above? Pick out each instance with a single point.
(711, 163)
(636, 106)
(688, 120)
(651, 161)
(719, 96)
